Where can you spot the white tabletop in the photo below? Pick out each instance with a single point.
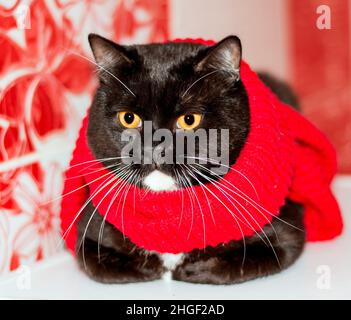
(323, 272)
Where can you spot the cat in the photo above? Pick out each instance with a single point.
(148, 82)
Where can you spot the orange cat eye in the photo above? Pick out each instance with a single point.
(189, 121)
(129, 120)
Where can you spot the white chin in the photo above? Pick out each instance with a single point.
(159, 181)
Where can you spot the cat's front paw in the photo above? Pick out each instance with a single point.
(110, 266)
(213, 270)
(231, 266)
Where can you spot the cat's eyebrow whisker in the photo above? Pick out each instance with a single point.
(196, 81)
(108, 72)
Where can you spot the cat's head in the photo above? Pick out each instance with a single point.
(179, 88)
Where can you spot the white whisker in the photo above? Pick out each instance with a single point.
(132, 178)
(252, 202)
(195, 82)
(108, 72)
(182, 192)
(82, 242)
(100, 188)
(72, 191)
(191, 200)
(217, 184)
(232, 215)
(122, 184)
(261, 229)
(202, 214)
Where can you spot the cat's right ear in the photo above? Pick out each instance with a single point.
(225, 56)
(108, 53)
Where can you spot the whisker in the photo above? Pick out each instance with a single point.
(252, 202)
(214, 161)
(181, 188)
(104, 160)
(81, 187)
(94, 160)
(108, 72)
(196, 81)
(101, 187)
(224, 186)
(82, 242)
(258, 207)
(101, 231)
(125, 195)
(264, 233)
(191, 199)
(93, 171)
(236, 219)
(212, 181)
(202, 214)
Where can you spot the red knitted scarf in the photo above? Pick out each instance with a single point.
(284, 156)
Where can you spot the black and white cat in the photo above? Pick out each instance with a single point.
(158, 74)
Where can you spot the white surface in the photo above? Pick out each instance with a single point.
(59, 277)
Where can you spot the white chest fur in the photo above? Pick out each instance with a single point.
(159, 181)
(170, 262)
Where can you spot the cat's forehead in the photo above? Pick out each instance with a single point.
(159, 59)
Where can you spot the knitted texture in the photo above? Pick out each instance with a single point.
(284, 156)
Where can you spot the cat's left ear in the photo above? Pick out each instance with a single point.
(108, 53)
(225, 56)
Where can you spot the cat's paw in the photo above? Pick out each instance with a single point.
(112, 267)
(224, 269)
(213, 270)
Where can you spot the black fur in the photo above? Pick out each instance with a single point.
(158, 75)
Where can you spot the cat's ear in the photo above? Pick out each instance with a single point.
(225, 55)
(108, 53)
